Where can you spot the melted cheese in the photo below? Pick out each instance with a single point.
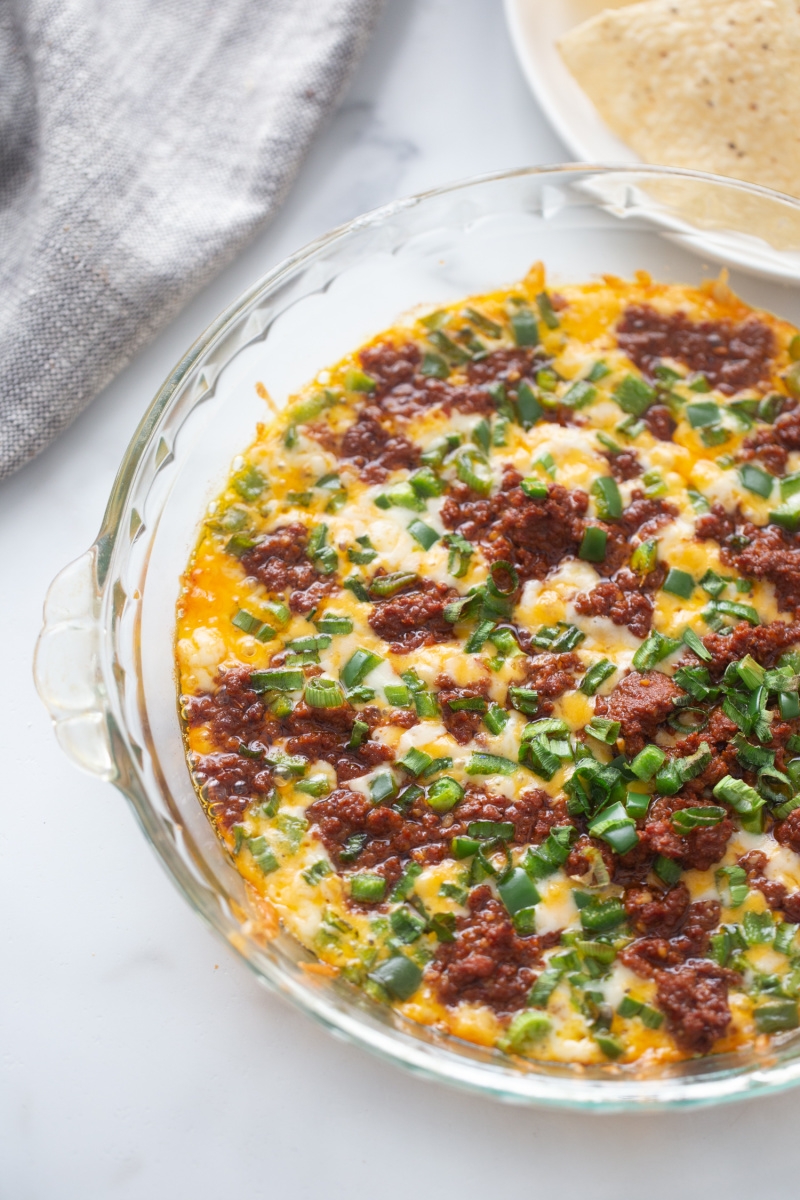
(314, 905)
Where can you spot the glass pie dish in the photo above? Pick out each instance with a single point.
(105, 661)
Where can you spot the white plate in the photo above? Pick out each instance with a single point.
(535, 26)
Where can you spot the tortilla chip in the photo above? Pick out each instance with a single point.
(705, 84)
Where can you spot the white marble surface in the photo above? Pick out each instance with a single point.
(139, 1057)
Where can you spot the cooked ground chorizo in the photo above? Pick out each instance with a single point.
(488, 962)
(234, 713)
(421, 833)
(695, 1000)
(414, 617)
(552, 674)
(229, 782)
(624, 464)
(651, 954)
(660, 421)
(374, 450)
(462, 723)
(324, 732)
(641, 701)
(774, 555)
(731, 356)
(764, 643)
(762, 445)
(280, 562)
(533, 535)
(624, 605)
(658, 913)
(696, 850)
(788, 831)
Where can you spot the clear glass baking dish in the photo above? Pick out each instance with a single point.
(104, 662)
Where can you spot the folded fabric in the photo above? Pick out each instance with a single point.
(142, 142)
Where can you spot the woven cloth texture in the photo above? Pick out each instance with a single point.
(142, 142)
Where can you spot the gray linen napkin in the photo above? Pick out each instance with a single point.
(142, 142)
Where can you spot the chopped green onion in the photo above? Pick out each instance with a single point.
(633, 395)
(691, 640)
(785, 935)
(517, 890)
(679, 583)
(358, 381)
(489, 764)
(464, 847)
(776, 1016)
(524, 327)
(473, 469)
(316, 872)
(323, 693)
(399, 976)
(616, 827)
(491, 830)
(359, 731)
(686, 819)
(407, 925)
(758, 929)
(390, 585)
(539, 758)
(363, 556)
(263, 855)
(644, 557)
(744, 799)
(756, 480)
(397, 695)
(648, 762)
(495, 718)
(405, 884)
(667, 870)
(358, 666)
(484, 323)
(332, 623)
(607, 498)
(526, 1029)
(703, 414)
(597, 675)
(277, 680)
(426, 705)
(654, 484)
(475, 641)
(414, 761)
(529, 410)
(444, 794)
(637, 804)
(653, 650)
(433, 365)
(579, 395)
(460, 552)
(603, 730)
(788, 514)
(593, 546)
(383, 787)
(356, 586)
(534, 489)
(737, 883)
(546, 311)
(601, 916)
(525, 700)
(544, 987)
(423, 534)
